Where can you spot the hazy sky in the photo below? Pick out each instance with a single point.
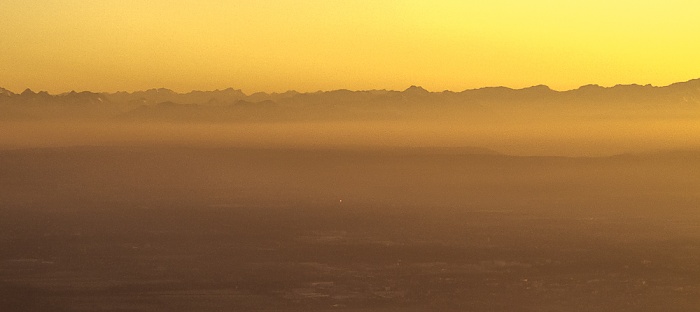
(307, 45)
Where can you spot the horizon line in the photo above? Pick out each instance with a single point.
(414, 86)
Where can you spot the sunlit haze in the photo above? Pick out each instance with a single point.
(349, 156)
(307, 45)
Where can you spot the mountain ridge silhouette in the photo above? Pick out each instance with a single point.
(342, 104)
(410, 89)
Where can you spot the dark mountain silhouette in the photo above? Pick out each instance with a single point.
(416, 91)
(414, 102)
(28, 92)
(6, 93)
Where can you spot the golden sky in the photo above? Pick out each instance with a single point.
(309, 45)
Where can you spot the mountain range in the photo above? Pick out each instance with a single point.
(232, 105)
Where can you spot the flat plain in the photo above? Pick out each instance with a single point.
(240, 229)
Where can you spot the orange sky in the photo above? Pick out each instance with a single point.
(110, 45)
